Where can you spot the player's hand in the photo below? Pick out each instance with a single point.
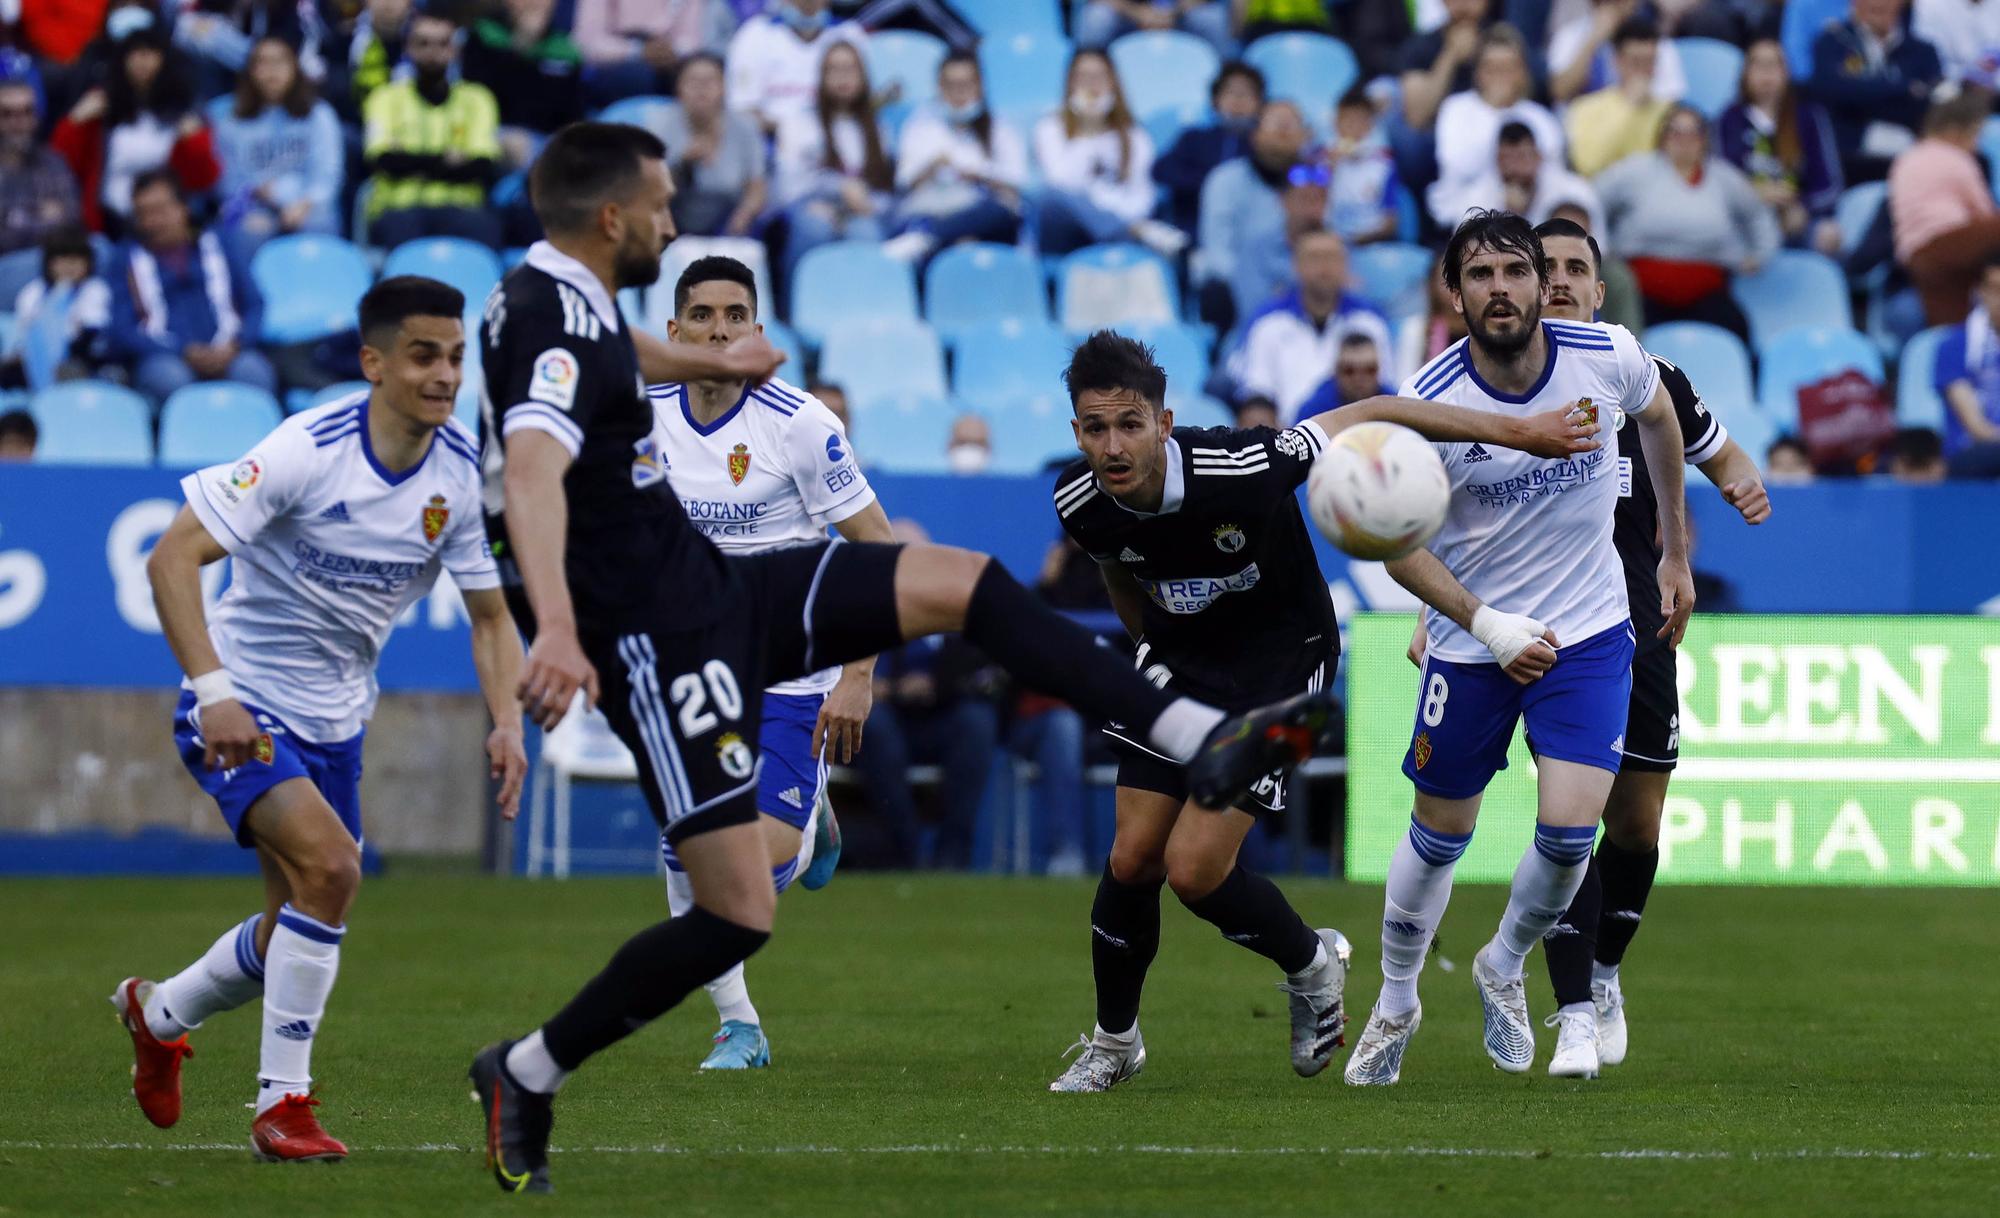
(837, 731)
(1535, 660)
(507, 764)
(1750, 498)
(1418, 641)
(753, 358)
(555, 669)
(1676, 598)
(1562, 432)
(228, 735)
(1522, 646)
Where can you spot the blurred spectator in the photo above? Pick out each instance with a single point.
(1787, 463)
(1364, 195)
(1785, 144)
(831, 172)
(1916, 457)
(1967, 377)
(1942, 211)
(281, 151)
(631, 47)
(1421, 339)
(1288, 350)
(59, 316)
(37, 190)
(57, 33)
(374, 53)
(18, 435)
(532, 68)
(1100, 21)
(1440, 63)
(1687, 221)
(715, 154)
(1523, 181)
(1875, 81)
(1245, 245)
(1622, 118)
(182, 309)
(1375, 30)
(969, 450)
(1583, 54)
(833, 397)
(1097, 165)
(960, 170)
(432, 145)
(141, 119)
(1622, 305)
(1468, 124)
(1966, 34)
(222, 33)
(774, 58)
(1357, 375)
(1236, 95)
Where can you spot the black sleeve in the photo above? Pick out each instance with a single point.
(540, 374)
(1291, 450)
(1702, 435)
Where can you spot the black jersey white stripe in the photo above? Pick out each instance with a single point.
(1075, 494)
(578, 317)
(1229, 462)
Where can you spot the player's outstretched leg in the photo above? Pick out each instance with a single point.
(1627, 859)
(1568, 948)
(1413, 903)
(159, 1017)
(1545, 882)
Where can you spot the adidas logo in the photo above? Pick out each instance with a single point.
(337, 512)
(298, 1029)
(1131, 555)
(1476, 454)
(792, 797)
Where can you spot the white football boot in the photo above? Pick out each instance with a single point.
(1103, 1064)
(1609, 1000)
(1576, 1044)
(1377, 1060)
(1510, 1040)
(1319, 1020)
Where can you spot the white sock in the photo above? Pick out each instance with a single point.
(1575, 1008)
(531, 1067)
(1115, 1040)
(299, 968)
(1545, 883)
(229, 974)
(1602, 973)
(806, 838)
(1182, 727)
(1413, 903)
(730, 994)
(1321, 957)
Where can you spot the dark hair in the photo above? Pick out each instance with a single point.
(1634, 29)
(584, 164)
(1558, 227)
(19, 424)
(1236, 67)
(1786, 143)
(1352, 99)
(161, 176)
(170, 96)
(1966, 109)
(1107, 361)
(708, 57)
(297, 101)
(876, 172)
(1500, 232)
(1918, 445)
(981, 127)
(1785, 441)
(1357, 338)
(69, 241)
(1514, 131)
(819, 388)
(710, 269)
(1119, 119)
(394, 300)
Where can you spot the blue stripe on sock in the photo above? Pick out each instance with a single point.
(1565, 846)
(246, 948)
(1437, 849)
(783, 874)
(309, 926)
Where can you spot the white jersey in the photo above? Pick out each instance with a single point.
(328, 548)
(1527, 534)
(775, 470)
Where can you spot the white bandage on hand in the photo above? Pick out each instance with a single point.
(1506, 635)
(212, 687)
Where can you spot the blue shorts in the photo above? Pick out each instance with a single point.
(280, 755)
(1466, 715)
(791, 778)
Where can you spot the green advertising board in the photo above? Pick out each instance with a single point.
(1814, 750)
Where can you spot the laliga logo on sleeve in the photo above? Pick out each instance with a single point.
(554, 379)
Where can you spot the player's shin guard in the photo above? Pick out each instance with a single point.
(299, 969)
(1628, 881)
(229, 974)
(1124, 938)
(1572, 941)
(1413, 903)
(1545, 883)
(652, 972)
(1249, 910)
(1053, 655)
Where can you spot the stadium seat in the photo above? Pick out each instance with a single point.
(907, 60)
(1184, 359)
(1200, 410)
(970, 285)
(849, 281)
(1715, 361)
(1800, 357)
(1310, 69)
(1108, 285)
(17, 270)
(1802, 22)
(466, 265)
(1164, 126)
(311, 285)
(903, 434)
(1006, 359)
(6, 329)
(210, 422)
(1918, 403)
(1796, 288)
(657, 301)
(875, 360)
(1713, 70)
(1024, 75)
(333, 393)
(1029, 432)
(1856, 210)
(1391, 275)
(92, 423)
(649, 112)
(781, 336)
(1002, 18)
(1163, 68)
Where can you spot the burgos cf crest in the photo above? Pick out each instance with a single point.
(734, 756)
(435, 518)
(1228, 538)
(739, 463)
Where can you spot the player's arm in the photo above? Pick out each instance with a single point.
(751, 358)
(537, 528)
(1128, 599)
(1552, 434)
(496, 657)
(1660, 436)
(174, 569)
(1523, 647)
(845, 712)
(1741, 482)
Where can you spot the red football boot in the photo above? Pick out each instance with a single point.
(288, 1132)
(156, 1063)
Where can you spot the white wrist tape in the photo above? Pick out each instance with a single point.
(1506, 635)
(213, 687)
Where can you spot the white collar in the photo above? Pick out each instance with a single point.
(551, 261)
(1171, 495)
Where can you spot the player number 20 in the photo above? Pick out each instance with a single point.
(1435, 694)
(688, 693)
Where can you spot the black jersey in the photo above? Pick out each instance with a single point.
(1635, 524)
(1236, 606)
(559, 359)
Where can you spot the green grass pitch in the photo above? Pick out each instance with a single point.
(1797, 1052)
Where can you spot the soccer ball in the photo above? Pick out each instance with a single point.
(1379, 491)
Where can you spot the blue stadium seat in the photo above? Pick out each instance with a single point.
(970, 285)
(906, 58)
(1008, 359)
(903, 434)
(1179, 354)
(1111, 285)
(784, 339)
(333, 393)
(92, 423)
(466, 265)
(1801, 356)
(1918, 403)
(1713, 69)
(17, 270)
(6, 329)
(656, 303)
(1163, 68)
(1796, 288)
(1029, 431)
(1391, 275)
(850, 281)
(214, 421)
(1803, 20)
(1310, 69)
(1200, 411)
(648, 111)
(311, 285)
(1856, 210)
(876, 360)
(1024, 75)
(1715, 360)
(1165, 125)
(1001, 18)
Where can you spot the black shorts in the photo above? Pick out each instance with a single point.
(1142, 768)
(1653, 720)
(688, 702)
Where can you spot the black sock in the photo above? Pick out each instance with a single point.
(1248, 909)
(1628, 881)
(1124, 938)
(654, 970)
(1571, 941)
